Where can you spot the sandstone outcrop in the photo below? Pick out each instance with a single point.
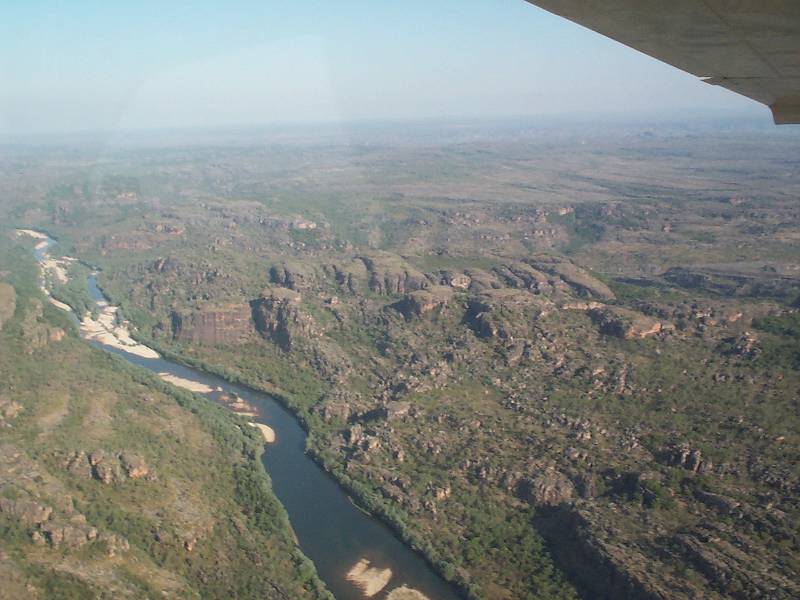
(108, 467)
(577, 278)
(27, 511)
(524, 276)
(8, 302)
(36, 331)
(293, 275)
(133, 465)
(278, 318)
(423, 302)
(351, 275)
(9, 409)
(689, 458)
(228, 324)
(72, 535)
(547, 488)
(626, 323)
(746, 346)
(498, 312)
(735, 281)
(389, 274)
(460, 281)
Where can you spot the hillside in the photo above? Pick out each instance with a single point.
(114, 484)
(559, 367)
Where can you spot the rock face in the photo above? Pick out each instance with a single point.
(458, 280)
(521, 275)
(599, 569)
(423, 302)
(133, 465)
(578, 279)
(497, 312)
(395, 410)
(27, 511)
(72, 535)
(8, 302)
(9, 409)
(735, 281)
(548, 488)
(351, 275)
(228, 325)
(690, 459)
(104, 468)
(391, 275)
(481, 321)
(627, 324)
(277, 317)
(337, 405)
(107, 467)
(293, 276)
(36, 330)
(731, 565)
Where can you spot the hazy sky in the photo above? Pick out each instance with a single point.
(81, 65)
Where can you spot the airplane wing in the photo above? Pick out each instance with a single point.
(751, 47)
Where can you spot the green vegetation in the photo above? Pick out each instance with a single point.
(529, 431)
(201, 522)
(74, 292)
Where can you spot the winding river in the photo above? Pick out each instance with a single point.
(355, 555)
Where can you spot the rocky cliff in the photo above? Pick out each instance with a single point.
(228, 324)
(277, 318)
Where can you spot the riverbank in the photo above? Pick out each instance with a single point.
(163, 447)
(345, 518)
(362, 498)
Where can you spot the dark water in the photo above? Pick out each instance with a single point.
(331, 530)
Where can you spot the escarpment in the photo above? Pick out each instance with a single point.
(277, 317)
(226, 324)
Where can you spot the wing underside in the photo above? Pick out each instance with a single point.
(750, 47)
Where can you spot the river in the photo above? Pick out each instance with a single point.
(331, 530)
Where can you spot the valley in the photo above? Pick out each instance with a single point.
(556, 364)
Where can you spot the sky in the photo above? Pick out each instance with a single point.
(78, 65)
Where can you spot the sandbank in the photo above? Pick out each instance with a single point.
(59, 304)
(187, 384)
(371, 580)
(267, 431)
(405, 593)
(32, 233)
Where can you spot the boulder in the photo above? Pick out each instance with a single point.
(9, 409)
(460, 281)
(690, 459)
(547, 488)
(423, 302)
(78, 464)
(134, 465)
(27, 511)
(396, 409)
(627, 324)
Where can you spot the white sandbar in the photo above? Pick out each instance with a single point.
(371, 580)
